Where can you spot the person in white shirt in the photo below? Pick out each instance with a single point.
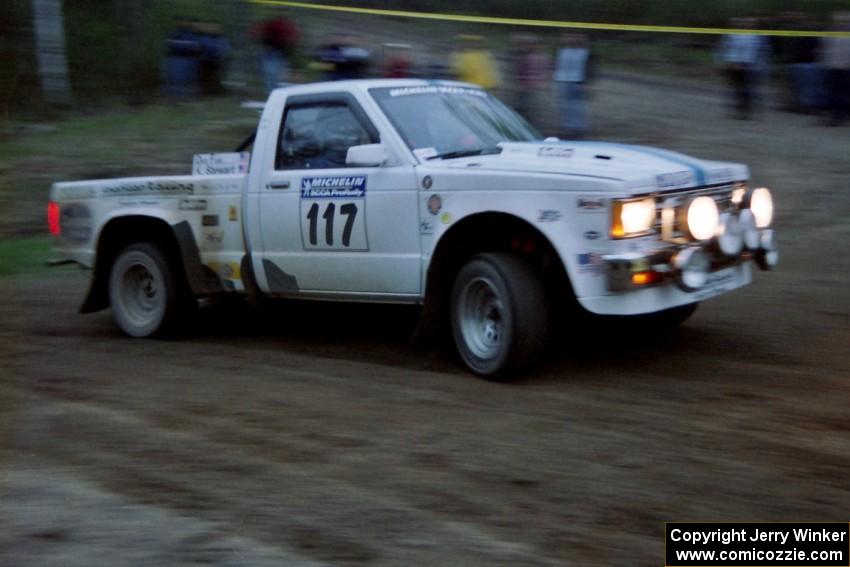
(744, 57)
(572, 70)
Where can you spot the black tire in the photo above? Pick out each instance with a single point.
(498, 315)
(143, 291)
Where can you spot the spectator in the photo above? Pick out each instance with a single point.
(344, 59)
(278, 37)
(572, 71)
(530, 68)
(806, 75)
(835, 58)
(397, 63)
(182, 52)
(473, 63)
(744, 57)
(214, 49)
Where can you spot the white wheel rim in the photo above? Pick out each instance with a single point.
(141, 296)
(481, 318)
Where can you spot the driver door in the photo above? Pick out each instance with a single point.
(331, 228)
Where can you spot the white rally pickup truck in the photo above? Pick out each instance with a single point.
(420, 192)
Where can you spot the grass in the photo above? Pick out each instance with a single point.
(110, 141)
(25, 256)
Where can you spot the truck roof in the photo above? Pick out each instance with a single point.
(365, 84)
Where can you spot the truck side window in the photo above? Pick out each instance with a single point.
(318, 135)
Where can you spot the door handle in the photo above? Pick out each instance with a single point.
(278, 184)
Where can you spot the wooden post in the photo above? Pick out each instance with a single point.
(49, 27)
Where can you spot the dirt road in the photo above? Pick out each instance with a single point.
(267, 439)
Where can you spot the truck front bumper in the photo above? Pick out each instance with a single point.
(692, 267)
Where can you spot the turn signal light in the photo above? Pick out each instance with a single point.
(645, 278)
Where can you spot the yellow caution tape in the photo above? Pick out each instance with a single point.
(547, 23)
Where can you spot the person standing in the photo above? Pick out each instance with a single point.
(744, 57)
(182, 63)
(572, 71)
(531, 68)
(278, 38)
(835, 59)
(473, 63)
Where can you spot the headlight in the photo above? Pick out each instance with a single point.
(761, 204)
(631, 218)
(703, 218)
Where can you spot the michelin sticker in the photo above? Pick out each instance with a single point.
(333, 213)
(339, 187)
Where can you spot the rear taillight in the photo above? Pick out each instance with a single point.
(53, 218)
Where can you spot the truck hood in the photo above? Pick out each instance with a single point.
(640, 168)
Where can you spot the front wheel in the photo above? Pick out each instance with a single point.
(498, 315)
(143, 291)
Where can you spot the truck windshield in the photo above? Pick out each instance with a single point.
(451, 121)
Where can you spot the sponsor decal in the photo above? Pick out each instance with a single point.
(437, 89)
(139, 202)
(592, 235)
(232, 213)
(76, 192)
(590, 263)
(215, 237)
(446, 218)
(721, 175)
(193, 205)
(719, 278)
(230, 163)
(590, 205)
(555, 151)
(426, 227)
(677, 179)
(549, 216)
(76, 222)
(427, 181)
(435, 203)
(209, 220)
(226, 270)
(149, 188)
(336, 187)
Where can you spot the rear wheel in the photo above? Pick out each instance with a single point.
(143, 291)
(498, 315)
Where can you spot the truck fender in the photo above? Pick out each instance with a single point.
(200, 279)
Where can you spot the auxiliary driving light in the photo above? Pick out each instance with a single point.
(752, 237)
(730, 238)
(761, 204)
(692, 267)
(768, 255)
(702, 218)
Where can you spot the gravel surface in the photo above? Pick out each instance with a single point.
(263, 438)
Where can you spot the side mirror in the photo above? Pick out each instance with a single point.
(365, 155)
